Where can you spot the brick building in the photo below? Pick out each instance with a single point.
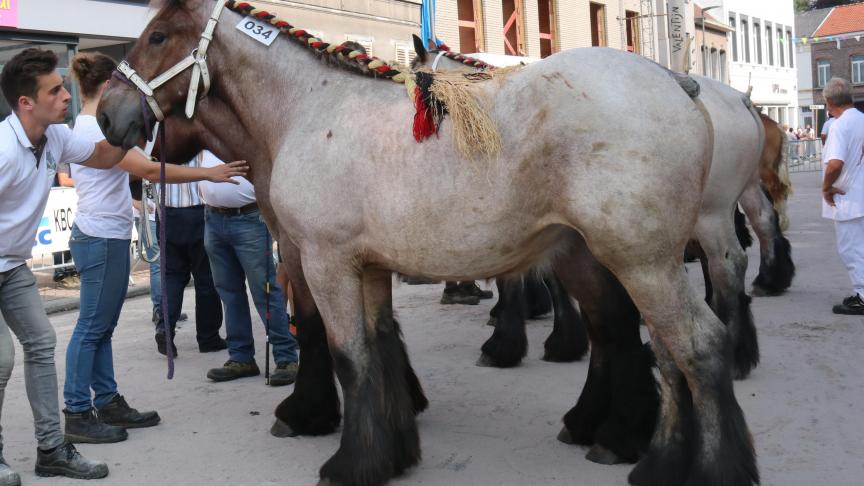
(538, 28)
(837, 49)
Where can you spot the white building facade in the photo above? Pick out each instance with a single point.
(763, 55)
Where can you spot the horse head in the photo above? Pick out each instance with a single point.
(168, 41)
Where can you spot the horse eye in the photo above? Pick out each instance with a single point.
(157, 38)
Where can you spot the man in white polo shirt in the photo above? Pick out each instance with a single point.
(240, 251)
(33, 142)
(843, 186)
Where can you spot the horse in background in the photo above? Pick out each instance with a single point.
(735, 164)
(774, 168)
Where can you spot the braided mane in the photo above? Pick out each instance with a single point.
(462, 58)
(342, 54)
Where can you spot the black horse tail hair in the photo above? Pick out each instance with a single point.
(741, 230)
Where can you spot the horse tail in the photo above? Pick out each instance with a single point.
(709, 125)
(741, 230)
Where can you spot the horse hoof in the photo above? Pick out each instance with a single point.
(760, 291)
(493, 321)
(566, 437)
(484, 361)
(601, 455)
(326, 482)
(281, 429)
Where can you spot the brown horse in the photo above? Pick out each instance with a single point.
(774, 169)
(765, 206)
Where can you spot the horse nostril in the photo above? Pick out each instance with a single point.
(104, 122)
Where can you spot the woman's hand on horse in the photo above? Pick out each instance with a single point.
(225, 172)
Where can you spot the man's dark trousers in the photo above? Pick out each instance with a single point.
(184, 257)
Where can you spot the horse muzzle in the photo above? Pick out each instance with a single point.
(120, 117)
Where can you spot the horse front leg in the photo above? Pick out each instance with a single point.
(617, 409)
(313, 407)
(568, 340)
(776, 268)
(379, 435)
(508, 343)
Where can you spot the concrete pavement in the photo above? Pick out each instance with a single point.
(484, 426)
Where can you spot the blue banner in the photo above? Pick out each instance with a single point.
(427, 23)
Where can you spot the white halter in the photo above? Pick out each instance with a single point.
(197, 59)
(437, 58)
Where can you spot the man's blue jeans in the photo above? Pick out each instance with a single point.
(103, 264)
(239, 247)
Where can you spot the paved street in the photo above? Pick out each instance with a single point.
(484, 426)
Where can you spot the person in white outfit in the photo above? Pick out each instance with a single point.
(843, 186)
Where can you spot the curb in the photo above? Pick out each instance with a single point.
(65, 305)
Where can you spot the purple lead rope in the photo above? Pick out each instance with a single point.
(169, 341)
(149, 123)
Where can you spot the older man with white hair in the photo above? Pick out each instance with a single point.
(843, 186)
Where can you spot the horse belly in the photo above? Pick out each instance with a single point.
(470, 250)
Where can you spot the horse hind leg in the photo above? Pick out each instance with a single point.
(568, 340)
(776, 268)
(669, 460)
(688, 337)
(418, 398)
(694, 250)
(379, 438)
(727, 266)
(508, 343)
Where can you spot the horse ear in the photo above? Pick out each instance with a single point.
(419, 48)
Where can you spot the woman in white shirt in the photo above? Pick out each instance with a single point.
(100, 242)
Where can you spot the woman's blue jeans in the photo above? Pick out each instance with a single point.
(103, 264)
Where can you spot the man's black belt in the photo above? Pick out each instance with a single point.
(249, 208)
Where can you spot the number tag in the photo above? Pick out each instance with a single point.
(258, 30)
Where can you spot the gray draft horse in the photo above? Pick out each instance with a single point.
(371, 200)
(734, 177)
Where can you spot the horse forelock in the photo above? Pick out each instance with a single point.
(160, 4)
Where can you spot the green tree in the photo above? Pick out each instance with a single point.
(801, 5)
(828, 3)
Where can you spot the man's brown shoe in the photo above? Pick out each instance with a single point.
(285, 374)
(232, 370)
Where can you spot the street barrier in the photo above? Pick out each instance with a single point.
(805, 155)
(55, 229)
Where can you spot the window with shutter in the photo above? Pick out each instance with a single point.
(404, 53)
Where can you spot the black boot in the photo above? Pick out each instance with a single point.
(88, 428)
(8, 477)
(117, 412)
(161, 346)
(65, 460)
(471, 288)
(453, 295)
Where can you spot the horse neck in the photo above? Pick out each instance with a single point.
(272, 89)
